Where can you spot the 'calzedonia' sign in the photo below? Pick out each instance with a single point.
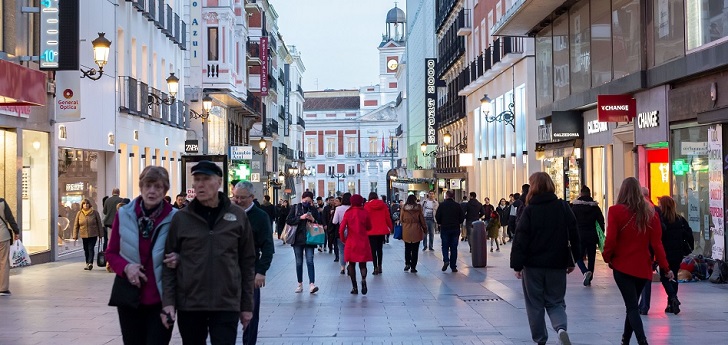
(430, 101)
(616, 108)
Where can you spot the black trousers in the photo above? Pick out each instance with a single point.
(143, 325)
(89, 247)
(250, 334)
(670, 286)
(195, 325)
(411, 253)
(631, 287)
(376, 242)
(107, 231)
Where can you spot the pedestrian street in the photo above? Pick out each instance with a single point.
(60, 303)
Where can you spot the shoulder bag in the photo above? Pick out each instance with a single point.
(289, 231)
(123, 293)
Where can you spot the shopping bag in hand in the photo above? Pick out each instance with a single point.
(18, 255)
(600, 235)
(315, 234)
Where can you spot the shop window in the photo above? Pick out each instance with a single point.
(580, 40)
(669, 29)
(601, 41)
(544, 68)
(77, 180)
(627, 44)
(35, 189)
(561, 57)
(706, 22)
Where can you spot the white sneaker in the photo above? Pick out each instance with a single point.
(312, 288)
(299, 289)
(564, 337)
(588, 278)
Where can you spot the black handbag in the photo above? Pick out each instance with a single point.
(124, 293)
(571, 263)
(101, 256)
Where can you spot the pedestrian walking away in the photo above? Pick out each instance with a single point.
(301, 214)
(381, 226)
(473, 211)
(677, 239)
(9, 233)
(543, 254)
(89, 227)
(260, 224)
(449, 216)
(633, 227)
(353, 231)
(414, 229)
(209, 289)
(136, 254)
(430, 205)
(338, 217)
(588, 215)
(109, 210)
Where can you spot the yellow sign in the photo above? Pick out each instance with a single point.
(659, 180)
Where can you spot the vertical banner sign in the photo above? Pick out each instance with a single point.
(715, 187)
(195, 43)
(287, 100)
(430, 101)
(49, 29)
(264, 66)
(68, 103)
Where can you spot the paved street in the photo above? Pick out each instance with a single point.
(60, 303)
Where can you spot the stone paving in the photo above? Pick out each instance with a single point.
(60, 303)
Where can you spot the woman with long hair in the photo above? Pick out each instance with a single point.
(381, 221)
(338, 217)
(414, 229)
(353, 231)
(541, 258)
(504, 211)
(678, 242)
(136, 254)
(300, 215)
(633, 227)
(89, 227)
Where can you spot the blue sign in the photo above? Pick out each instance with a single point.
(49, 29)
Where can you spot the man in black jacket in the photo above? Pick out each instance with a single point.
(449, 216)
(473, 211)
(243, 195)
(588, 214)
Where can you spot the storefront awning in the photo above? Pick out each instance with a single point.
(557, 149)
(21, 86)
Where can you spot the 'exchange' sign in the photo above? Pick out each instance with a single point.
(430, 101)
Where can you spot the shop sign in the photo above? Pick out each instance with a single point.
(255, 177)
(616, 108)
(690, 148)
(264, 66)
(15, 110)
(594, 127)
(566, 125)
(238, 153)
(195, 42)
(190, 194)
(693, 211)
(454, 184)
(192, 146)
(430, 101)
(715, 187)
(648, 119)
(74, 187)
(544, 133)
(68, 105)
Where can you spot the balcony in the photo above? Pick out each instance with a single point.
(451, 111)
(301, 156)
(464, 23)
(253, 102)
(442, 11)
(398, 132)
(385, 154)
(135, 100)
(272, 43)
(502, 54)
(300, 90)
(310, 154)
(301, 122)
(272, 127)
(219, 76)
(525, 15)
(330, 154)
(351, 155)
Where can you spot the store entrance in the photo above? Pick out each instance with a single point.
(8, 170)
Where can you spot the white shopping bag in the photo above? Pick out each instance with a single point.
(18, 255)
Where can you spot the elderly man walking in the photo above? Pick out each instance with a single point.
(211, 279)
(243, 196)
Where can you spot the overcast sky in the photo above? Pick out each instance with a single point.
(338, 39)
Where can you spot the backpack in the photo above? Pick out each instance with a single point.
(720, 272)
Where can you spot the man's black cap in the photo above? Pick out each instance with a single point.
(206, 168)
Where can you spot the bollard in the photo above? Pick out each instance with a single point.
(477, 240)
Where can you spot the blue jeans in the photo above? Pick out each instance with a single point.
(430, 233)
(645, 296)
(341, 254)
(450, 239)
(250, 334)
(298, 250)
(590, 251)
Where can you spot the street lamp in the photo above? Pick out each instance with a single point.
(447, 138)
(423, 148)
(101, 57)
(506, 117)
(206, 107)
(172, 87)
(262, 144)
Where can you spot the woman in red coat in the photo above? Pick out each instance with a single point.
(353, 233)
(381, 227)
(633, 228)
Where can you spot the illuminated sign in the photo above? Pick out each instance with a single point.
(264, 66)
(241, 172)
(192, 146)
(238, 153)
(74, 187)
(430, 101)
(49, 29)
(594, 127)
(616, 108)
(648, 119)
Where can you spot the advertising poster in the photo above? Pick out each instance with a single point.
(715, 187)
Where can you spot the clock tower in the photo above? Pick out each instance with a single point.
(391, 49)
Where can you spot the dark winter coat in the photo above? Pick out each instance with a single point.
(474, 211)
(294, 218)
(488, 211)
(545, 225)
(504, 213)
(674, 238)
(587, 214)
(449, 215)
(269, 209)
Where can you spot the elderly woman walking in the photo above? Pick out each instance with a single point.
(136, 254)
(353, 231)
(89, 227)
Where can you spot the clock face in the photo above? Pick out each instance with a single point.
(392, 65)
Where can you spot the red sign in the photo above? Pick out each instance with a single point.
(21, 86)
(264, 66)
(616, 108)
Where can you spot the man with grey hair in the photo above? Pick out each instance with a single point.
(243, 196)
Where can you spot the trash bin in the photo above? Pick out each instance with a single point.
(477, 240)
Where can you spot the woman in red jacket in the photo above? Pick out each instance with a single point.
(353, 233)
(633, 227)
(381, 227)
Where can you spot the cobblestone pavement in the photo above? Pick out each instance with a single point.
(60, 303)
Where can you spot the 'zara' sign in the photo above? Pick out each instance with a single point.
(649, 119)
